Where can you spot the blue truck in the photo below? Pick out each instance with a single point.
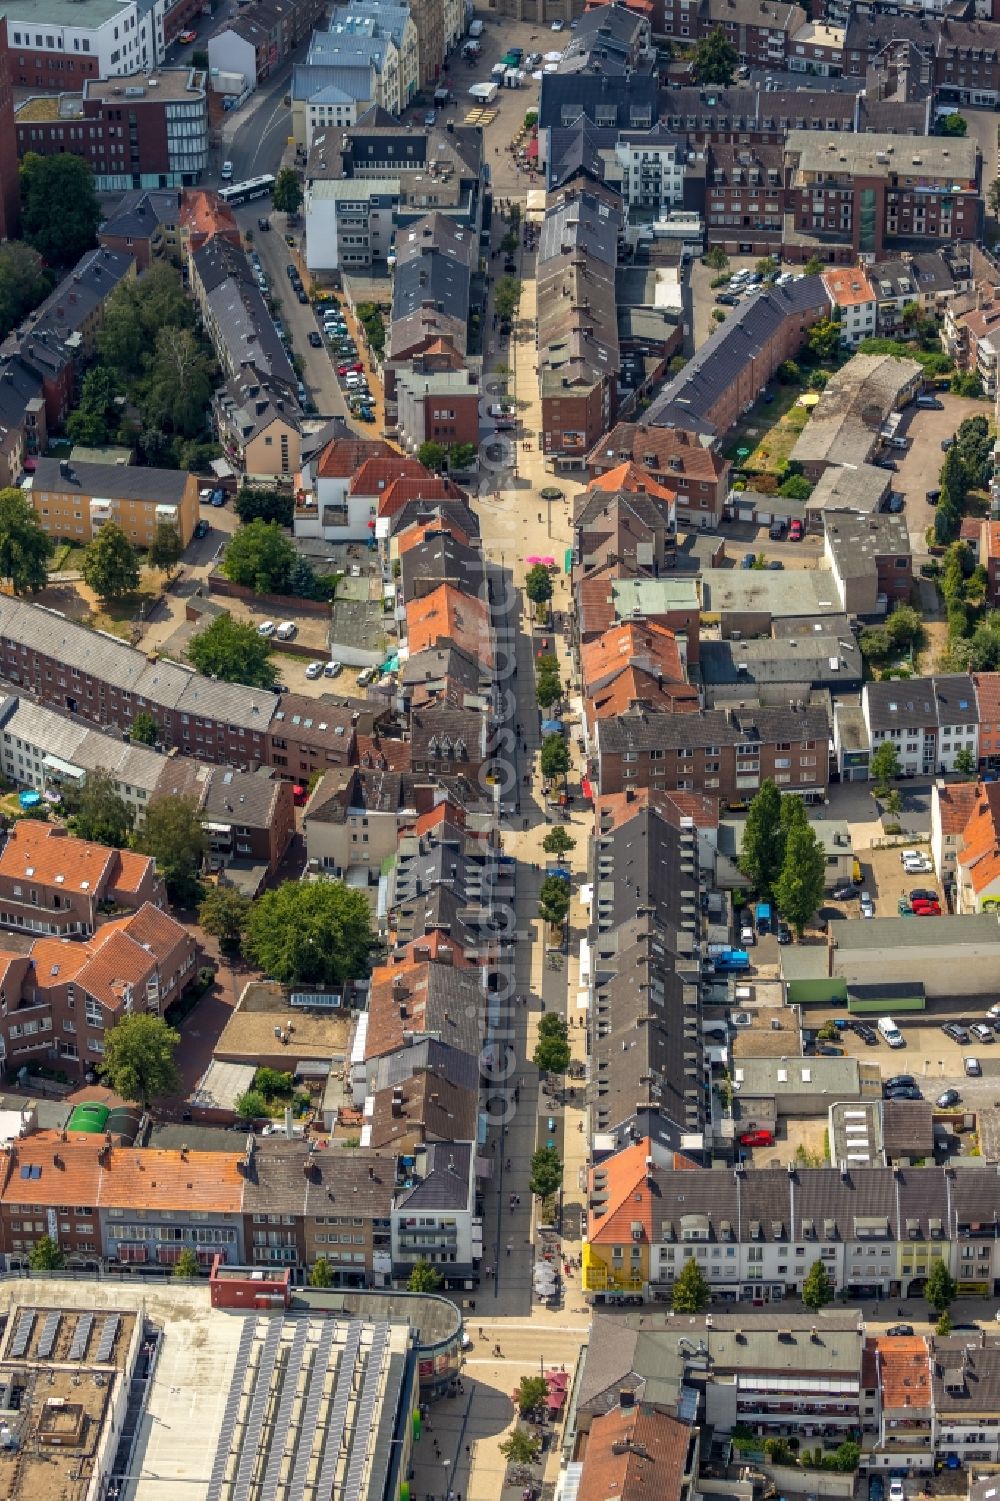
(731, 961)
(763, 915)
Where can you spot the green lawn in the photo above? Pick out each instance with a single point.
(769, 431)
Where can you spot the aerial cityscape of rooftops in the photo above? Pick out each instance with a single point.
(499, 750)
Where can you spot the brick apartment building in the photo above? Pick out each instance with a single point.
(151, 132)
(52, 883)
(61, 999)
(745, 199)
(730, 370)
(863, 194)
(726, 753)
(759, 30)
(10, 196)
(697, 475)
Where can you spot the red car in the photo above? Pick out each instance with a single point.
(187, 36)
(927, 909)
(795, 531)
(757, 1139)
(350, 369)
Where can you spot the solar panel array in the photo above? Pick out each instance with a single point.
(47, 1338)
(109, 1333)
(310, 1412)
(337, 1423)
(22, 1334)
(279, 1433)
(81, 1334)
(254, 1426)
(231, 1413)
(365, 1415)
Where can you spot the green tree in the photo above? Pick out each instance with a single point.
(548, 689)
(461, 456)
(110, 566)
(796, 487)
(144, 729)
(941, 1289)
(554, 900)
(286, 194)
(265, 505)
(96, 416)
(767, 266)
(310, 933)
(24, 547)
(965, 762)
(993, 197)
(905, 628)
(552, 1051)
(320, 1274)
(799, 889)
(302, 581)
(823, 339)
(846, 1457)
(24, 282)
(817, 1289)
(557, 842)
(691, 1293)
(521, 1448)
(223, 914)
(423, 1278)
(531, 1393)
(59, 208)
(135, 313)
(813, 266)
(789, 373)
(953, 124)
(433, 456)
(260, 557)
(506, 298)
(98, 813)
(252, 1106)
(173, 835)
(715, 59)
(177, 389)
(943, 1326)
(186, 1265)
(233, 651)
(874, 643)
(555, 757)
(763, 846)
(717, 259)
(140, 1059)
(546, 1173)
(538, 584)
(884, 764)
(46, 1256)
(165, 548)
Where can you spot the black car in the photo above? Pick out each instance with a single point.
(923, 894)
(201, 530)
(302, 294)
(845, 893)
(887, 464)
(948, 1100)
(933, 496)
(784, 934)
(315, 340)
(264, 224)
(868, 1036)
(910, 1092)
(906, 1330)
(727, 299)
(291, 271)
(955, 1032)
(900, 1081)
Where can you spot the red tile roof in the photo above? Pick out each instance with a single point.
(375, 475)
(634, 1453)
(988, 696)
(627, 1197)
(438, 487)
(446, 614)
(344, 456)
(634, 480)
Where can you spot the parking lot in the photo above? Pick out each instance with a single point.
(888, 882)
(920, 466)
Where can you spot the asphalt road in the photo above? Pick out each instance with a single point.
(299, 318)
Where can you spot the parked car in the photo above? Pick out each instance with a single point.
(315, 670)
(900, 1081)
(776, 530)
(795, 531)
(332, 669)
(784, 933)
(933, 496)
(201, 530)
(947, 443)
(748, 560)
(956, 1033)
(266, 628)
(315, 340)
(948, 1099)
(906, 1332)
(982, 1033)
(759, 1138)
(846, 892)
(187, 37)
(994, 1013)
(923, 894)
(727, 299)
(218, 498)
(973, 1067)
(907, 1092)
(263, 223)
(867, 905)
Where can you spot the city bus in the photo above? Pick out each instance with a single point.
(246, 192)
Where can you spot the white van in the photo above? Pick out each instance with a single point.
(891, 1032)
(286, 630)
